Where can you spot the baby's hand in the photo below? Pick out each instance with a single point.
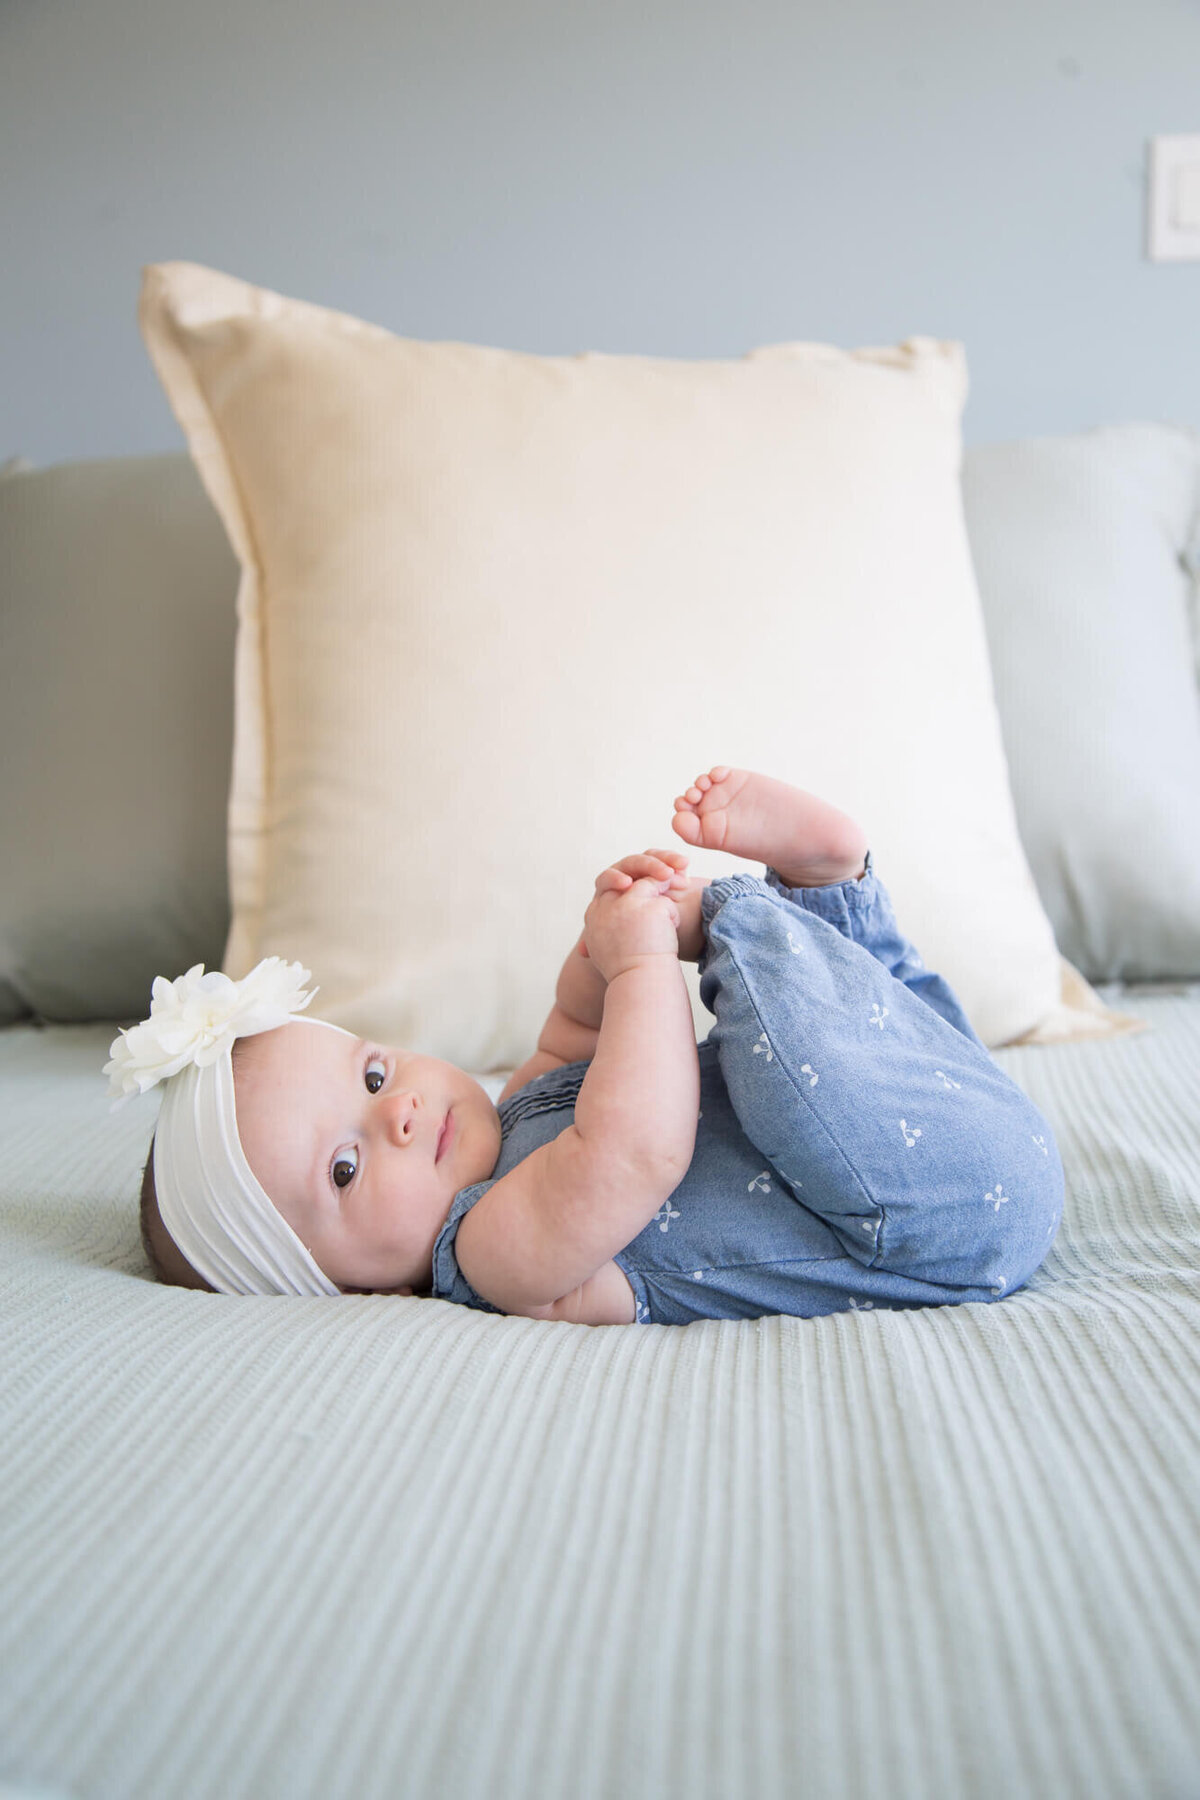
(631, 917)
(659, 865)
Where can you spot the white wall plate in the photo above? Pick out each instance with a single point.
(1173, 210)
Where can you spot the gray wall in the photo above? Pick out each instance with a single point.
(672, 177)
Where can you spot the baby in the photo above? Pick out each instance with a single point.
(840, 1140)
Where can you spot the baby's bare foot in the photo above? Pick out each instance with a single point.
(686, 896)
(807, 841)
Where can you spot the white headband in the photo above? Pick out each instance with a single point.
(211, 1203)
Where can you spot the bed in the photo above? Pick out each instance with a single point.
(392, 1547)
(397, 1547)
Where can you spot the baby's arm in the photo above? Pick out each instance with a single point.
(573, 1024)
(556, 1219)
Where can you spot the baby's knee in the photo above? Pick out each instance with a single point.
(1019, 1229)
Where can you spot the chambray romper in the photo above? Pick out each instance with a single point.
(856, 1147)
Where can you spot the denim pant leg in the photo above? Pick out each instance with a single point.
(869, 1093)
(863, 910)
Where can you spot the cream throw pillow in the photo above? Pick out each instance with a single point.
(497, 609)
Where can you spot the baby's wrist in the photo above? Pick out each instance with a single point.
(648, 960)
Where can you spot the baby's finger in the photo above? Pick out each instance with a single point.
(648, 863)
(612, 880)
(652, 886)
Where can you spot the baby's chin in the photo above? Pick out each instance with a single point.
(361, 1281)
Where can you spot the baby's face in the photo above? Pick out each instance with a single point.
(362, 1148)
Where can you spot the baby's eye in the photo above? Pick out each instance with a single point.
(375, 1075)
(344, 1170)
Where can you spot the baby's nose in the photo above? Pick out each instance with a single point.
(400, 1116)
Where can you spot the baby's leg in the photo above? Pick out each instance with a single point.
(862, 911)
(890, 1122)
(809, 842)
(814, 856)
(686, 894)
(754, 816)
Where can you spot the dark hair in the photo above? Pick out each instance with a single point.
(165, 1257)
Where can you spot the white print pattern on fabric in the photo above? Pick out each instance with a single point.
(998, 1197)
(878, 1015)
(945, 1079)
(1042, 1146)
(762, 1048)
(793, 946)
(761, 1181)
(806, 1069)
(910, 1138)
(664, 1216)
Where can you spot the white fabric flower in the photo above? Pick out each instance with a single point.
(196, 1018)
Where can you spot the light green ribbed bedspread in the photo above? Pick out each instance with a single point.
(385, 1547)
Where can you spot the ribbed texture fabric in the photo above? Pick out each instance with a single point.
(384, 1547)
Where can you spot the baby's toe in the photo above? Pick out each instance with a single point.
(687, 825)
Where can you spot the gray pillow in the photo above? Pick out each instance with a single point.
(1081, 548)
(117, 613)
